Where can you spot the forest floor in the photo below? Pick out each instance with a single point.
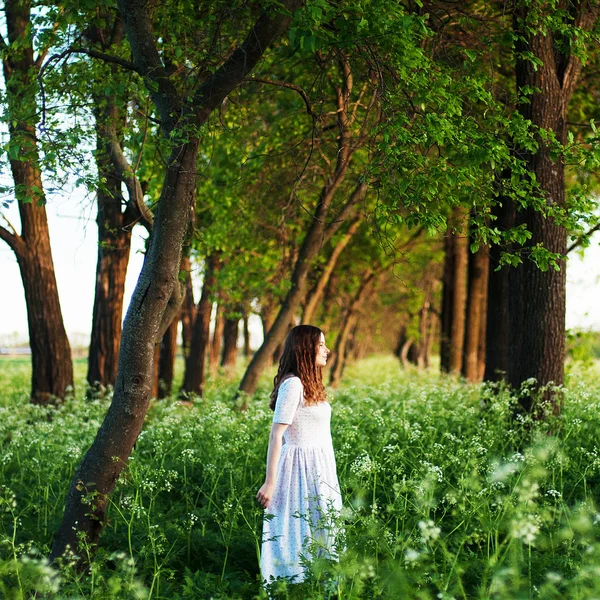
(449, 492)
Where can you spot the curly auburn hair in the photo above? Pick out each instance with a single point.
(299, 359)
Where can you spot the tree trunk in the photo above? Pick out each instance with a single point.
(230, 337)
(193, 379)
(246, 328)
(349, 321)
(114, 241)
(310, 247)
(316, 294)
(51, 365)
(188, 309)
(87, 498)
(537, 298)
(481, 348)
(447, 301)
(166, 360)
(459, 291)
(477, 292)
(216, 345)
(497, 321)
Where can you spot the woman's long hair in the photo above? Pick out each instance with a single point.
(299, 358)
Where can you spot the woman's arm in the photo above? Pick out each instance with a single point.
(275, 442)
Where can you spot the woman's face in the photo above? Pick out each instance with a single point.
(322, 352)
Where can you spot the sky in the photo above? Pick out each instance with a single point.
(73, 234)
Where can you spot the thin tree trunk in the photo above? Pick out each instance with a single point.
(459, 293)
(193, 379)
(246, 328)
(100, 469)
(308, 252)
(316, 294)
(497, 321)
(166, 360)
(188, 309)
(447, 301)
(51, 365)
(349, 321)
(477, 292)
(318, 234)
(230, 337)
(481, 349)
(217, 339)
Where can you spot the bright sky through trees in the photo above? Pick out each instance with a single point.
(74, 237)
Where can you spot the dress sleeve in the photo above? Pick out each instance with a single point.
(289, 396)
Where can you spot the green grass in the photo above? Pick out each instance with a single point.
(446, 493)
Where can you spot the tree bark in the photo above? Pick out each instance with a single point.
(216, 345)
(230, 338)
(87, 498)
(310, 247)
(51, 365)
(497, 321)
(459, 290)
(349, 321)
(166, 360)
(316, 294)
(193, 379)
(114, 242)
(246, 329)
(447, 301)
(475, 321)
(188, 309)
(538, 298)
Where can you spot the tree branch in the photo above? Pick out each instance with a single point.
(13, 240)
(579, 240)
(585, 19)
(269, 26)
(357, 195)
(148, 63)
(291, 86)
(4, 48)
(108, 58)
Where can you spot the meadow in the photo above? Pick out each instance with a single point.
(449, 492)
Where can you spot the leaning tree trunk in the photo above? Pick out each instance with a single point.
(87, 498)
(349, 320)
(311, 244)
(318, 233)
(52, 368)
(316, 294)
(194, 375)
(538, 298)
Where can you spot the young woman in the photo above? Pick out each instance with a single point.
(301, 493)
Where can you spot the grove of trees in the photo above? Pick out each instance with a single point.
(410, 176)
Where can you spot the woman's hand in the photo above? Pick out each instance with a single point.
(265, 494)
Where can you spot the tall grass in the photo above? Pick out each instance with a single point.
(447, 494)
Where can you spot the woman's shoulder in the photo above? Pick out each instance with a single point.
(292, 382)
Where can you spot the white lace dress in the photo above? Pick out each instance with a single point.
(298, 521)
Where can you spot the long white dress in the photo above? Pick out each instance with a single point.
(298, 520)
